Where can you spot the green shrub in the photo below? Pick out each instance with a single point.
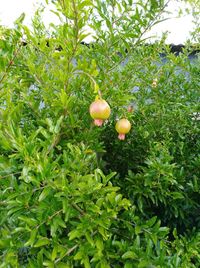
(159, 163)
(72, 194)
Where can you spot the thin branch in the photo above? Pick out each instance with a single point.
(11, 174)
(75, 206)
(54, 143)
(140, 37)
(56, 213)
(49, 218)
(91, 78)
(67, 253)
(76, 30)
(9, 64)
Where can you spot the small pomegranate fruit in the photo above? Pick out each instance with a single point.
(122, 126)
(130, 109)
(99, 111)
(155, 82)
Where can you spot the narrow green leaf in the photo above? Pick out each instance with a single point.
(73, 234)
(31, 241)
(129, 255)
(44, 194)
(42, 242)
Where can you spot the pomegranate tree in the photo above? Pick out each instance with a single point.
(99, 111)
(123, 127)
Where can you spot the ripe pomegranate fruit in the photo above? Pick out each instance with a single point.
(122, 126)
(99, 111)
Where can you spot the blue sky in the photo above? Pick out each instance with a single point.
(178, 28)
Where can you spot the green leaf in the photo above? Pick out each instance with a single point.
(60, 222)
(138, 229)
(86, 262)
(48, 264)
(74, 234)
(44, 194)
(154, 238)
(151, 222)
(144, 264)
(19, 229)
(29, 221)
(109, 177)
(89, 238)
(177, 195)
(20, 19)
(99, 244)
(32, 238)
(54, 253)
(58, 124)
(42, 242)
(62, 265)
(129, 255)
(78, 256)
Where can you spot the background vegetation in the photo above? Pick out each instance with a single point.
(72, 194)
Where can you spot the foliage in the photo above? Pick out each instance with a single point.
(72, 194)
(162, 152)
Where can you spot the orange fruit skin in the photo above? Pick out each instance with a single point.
(123, 126)
(100, 109)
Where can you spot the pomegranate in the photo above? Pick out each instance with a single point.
(155, 82)
(99, 111)
(122, 126)
(130, 109)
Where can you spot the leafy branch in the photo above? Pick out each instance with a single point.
(148, 27)
(11, 62)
